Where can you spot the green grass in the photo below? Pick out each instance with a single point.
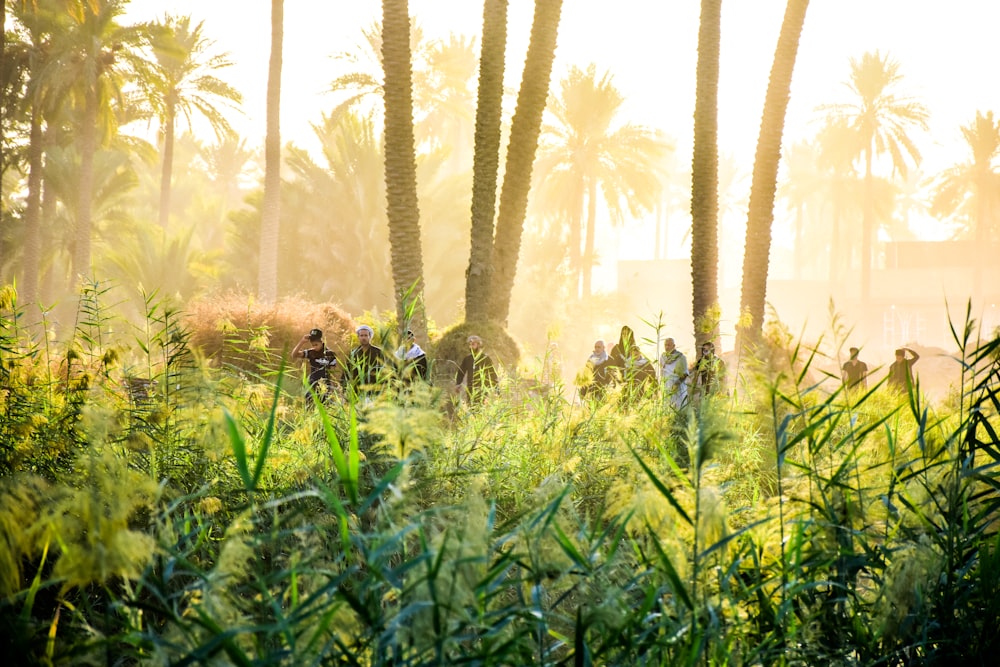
(218, 519)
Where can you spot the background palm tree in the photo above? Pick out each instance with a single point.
(402, 209)
(705, 176)
(881, 121)
(524, 131)
(970, 191)
(95, 57)
(267, 270)
(765, 171)
(183, 84)
(586, 155)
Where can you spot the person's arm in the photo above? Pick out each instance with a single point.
(297, 350)
(915, 356)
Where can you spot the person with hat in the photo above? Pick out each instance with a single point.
(413, 360)
(321, 361)
(365, 365)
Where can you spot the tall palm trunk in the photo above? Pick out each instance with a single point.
(756, 258)
(868, 230)
(486, 160)
(588, 241)
(267, 276)
(88, 146)
(401, 168)
(705, 174)
(524, 131)
(166, 173)
(32, 212)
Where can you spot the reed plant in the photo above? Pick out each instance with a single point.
(211, 516)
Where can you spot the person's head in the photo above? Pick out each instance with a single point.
(854, 352)
(707, 348)
(599, 346)
(668, 345)
(365, 335)
(900, 353)
(627, 337)
(315, 338)
(475, 343)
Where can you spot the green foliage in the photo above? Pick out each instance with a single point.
(185, 515)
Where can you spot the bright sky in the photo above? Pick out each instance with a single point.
(649, 47)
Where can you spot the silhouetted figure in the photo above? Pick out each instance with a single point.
(855, 372)
(900, 371)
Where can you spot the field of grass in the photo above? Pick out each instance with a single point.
(156, 509)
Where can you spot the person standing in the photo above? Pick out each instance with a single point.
(901, 370)
(709, 373)
(321, 361)
(365, 365)
(855, 372)
(413, 360)
(673, 374)
(476, 374)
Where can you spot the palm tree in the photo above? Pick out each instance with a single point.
(586, 155)
(93, 60)
(705, 175)
(801, 191)
(881, 121)
(486, 160)
(401, 168)
(524, 131)
(970, 190)
(183, 84)
(843, 189)
(267, 270)
(765, 171)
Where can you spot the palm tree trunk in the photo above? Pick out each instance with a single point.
(867, 225)
(32, 212)
(756, 258)
(486, 160)
(403, 210)
(524, 131)
(88, 146)
(267, 277)
(588, 243)
(166, 172)
(705, 175)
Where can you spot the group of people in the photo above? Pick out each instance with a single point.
(854, 372)
(367, 367)
(626, 366)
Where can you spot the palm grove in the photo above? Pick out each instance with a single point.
(415, 166)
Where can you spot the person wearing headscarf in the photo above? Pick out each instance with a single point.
(596, 376)
(673, 374)
(413, 360)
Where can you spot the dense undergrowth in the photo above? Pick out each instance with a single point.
(155, 509)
